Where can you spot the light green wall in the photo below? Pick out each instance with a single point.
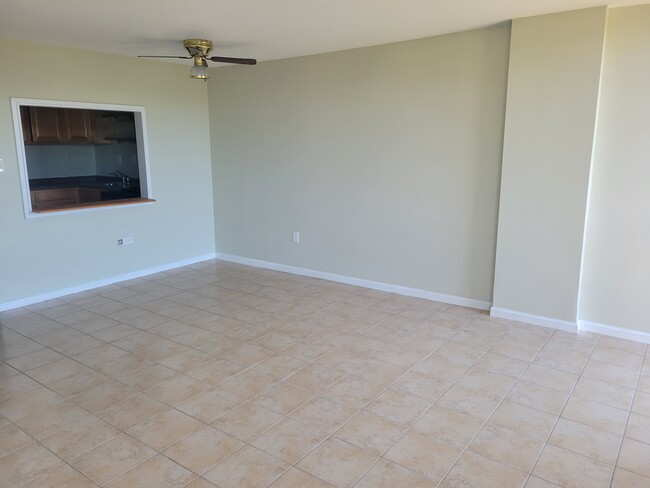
(616, 280)
(386, 159)
(47, 254)
(553, 82)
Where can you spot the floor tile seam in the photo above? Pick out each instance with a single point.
(627, 421)
(185, 436)
(246, 369)
(130, 469)
(15, 328)
(238, 405)
(63, 462)
(243, 446)
(634, 371)
(372, 465)
(218, 384)
(484, 423)
(418, 418)
(162, 454)
(332, 434)
(250, 441)
(127, 434)
(64, 341)
(26, 338)
(325, 439)
(49, 405)
(350, 373)
(54, 469)
(26, 391)
(72, 375)
(137, 393)
(34, 440)
(87, 451)
(66, 356)
(63, 326)
(557, 419)
(157, 362)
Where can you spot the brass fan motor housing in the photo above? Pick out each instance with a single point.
(202, 45)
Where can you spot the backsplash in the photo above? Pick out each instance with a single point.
(62, 160)
(52, 161)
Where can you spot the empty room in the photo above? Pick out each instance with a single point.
(326, 243)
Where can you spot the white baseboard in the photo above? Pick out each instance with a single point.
(375, 285)
(613, 331)
(103, 282)
(528, 318)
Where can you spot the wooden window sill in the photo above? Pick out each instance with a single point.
(107, 203)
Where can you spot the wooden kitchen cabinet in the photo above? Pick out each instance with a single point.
(25, 121)
(104, 129)
(63, 197)
(77, 127)
(89, 195)
(51, 125)
(56, 197)
(46, 125)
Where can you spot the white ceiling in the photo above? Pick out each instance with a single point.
(264, 29)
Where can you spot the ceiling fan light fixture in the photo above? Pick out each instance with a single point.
(198, 50)
(200, 69)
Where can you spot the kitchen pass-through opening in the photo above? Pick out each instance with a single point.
(80, 156)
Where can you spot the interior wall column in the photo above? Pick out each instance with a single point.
(552, 103)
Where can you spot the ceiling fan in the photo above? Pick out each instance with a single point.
(198, 50)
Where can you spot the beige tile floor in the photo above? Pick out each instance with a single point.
(229, 376)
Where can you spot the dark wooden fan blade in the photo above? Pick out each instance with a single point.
(221, 59)
(173, 57)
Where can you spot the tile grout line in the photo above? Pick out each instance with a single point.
(336, 326)
(466, 448)
(559, 416)
(627, 420)
(432, 403)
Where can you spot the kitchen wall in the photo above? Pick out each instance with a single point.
(121, 157)
(616, 276)
(47, 254)
(52, 161)
(386, 159)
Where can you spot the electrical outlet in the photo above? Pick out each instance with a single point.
(2, 165)
(125, 241)
(296, 237)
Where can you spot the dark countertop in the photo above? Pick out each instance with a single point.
(95, 181)
(111, 188)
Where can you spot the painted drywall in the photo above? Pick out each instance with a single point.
(616, 276)
(385, 159)
(41, 255)
(553, 83)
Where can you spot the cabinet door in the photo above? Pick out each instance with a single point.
(26, 124)
(104, 129)
(76, 125)
(54, 198)
(46, 125)
(89, 195)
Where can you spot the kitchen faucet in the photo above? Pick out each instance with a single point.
(126, 182)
